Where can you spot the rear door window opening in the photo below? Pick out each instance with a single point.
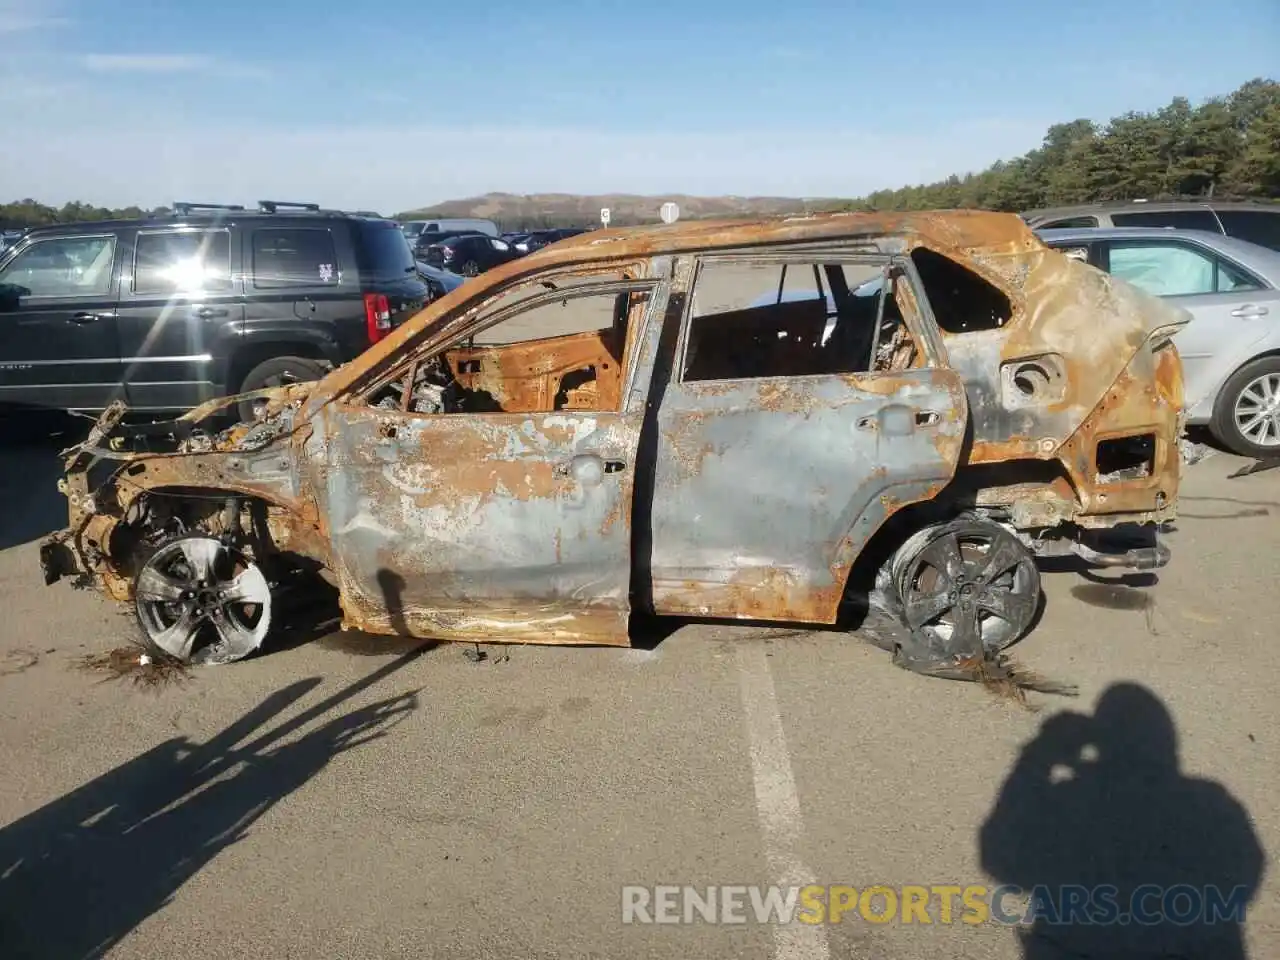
(757, 319)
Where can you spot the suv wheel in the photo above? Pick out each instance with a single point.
(1246, 417)
(470, 269)
(201, 601)
(276, 372)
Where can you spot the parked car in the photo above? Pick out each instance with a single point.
(424, 241)
(439, 281)
(1255, 222)
(421, 233)
(586, 430)
(167, 312)
(470, 254)
(1231, 349)
(542, 238)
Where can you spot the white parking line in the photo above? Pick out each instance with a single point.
(777, 803)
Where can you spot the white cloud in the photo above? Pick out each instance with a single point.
(171, 63)
(17, 22)
(145, 62)
(20, 16)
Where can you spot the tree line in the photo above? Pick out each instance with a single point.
(32, 213)
(1226, 147)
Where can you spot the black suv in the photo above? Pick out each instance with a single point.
(210, 301)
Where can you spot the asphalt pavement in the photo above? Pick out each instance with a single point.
(357, 797)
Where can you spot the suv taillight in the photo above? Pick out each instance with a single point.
(377, 315)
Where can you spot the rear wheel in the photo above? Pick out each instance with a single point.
(962, 591)
(201, 601)
(1246, 417)
(276, 372)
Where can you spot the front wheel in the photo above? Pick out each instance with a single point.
(1246, 417)
(201, 601)
(470, 269)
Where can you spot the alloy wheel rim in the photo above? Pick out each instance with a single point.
(201, 601)
(1257, 410)
(970, 590)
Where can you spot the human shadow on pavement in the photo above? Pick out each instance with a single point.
(77, 875)
(30, 504)
(1114, 851)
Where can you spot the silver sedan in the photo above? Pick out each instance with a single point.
(1231, 348)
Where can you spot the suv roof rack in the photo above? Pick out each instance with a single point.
(182, 208)
(271, 206)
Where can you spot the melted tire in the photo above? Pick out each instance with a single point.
(885, 624)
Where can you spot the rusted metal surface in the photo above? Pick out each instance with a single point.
(518, 522)
(526, 377)
(1113, 385)
(502, 527)
(767, 489)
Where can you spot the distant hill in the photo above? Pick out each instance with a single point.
(514, 211)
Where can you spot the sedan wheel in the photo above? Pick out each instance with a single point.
(1246, 416)
(1257, 411)
(201, 601)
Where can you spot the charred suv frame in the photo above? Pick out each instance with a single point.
(950, 401)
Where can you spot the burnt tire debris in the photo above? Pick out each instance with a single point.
(952, 599)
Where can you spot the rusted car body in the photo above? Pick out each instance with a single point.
(950, 383)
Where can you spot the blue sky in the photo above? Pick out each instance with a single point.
(389, 104)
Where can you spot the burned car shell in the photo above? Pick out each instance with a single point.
(724, 497)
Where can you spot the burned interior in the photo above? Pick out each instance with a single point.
(539, 348)
(726, 420)
(754, 320)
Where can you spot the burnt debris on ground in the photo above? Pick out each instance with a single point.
(149, 669)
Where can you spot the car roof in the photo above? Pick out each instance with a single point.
(459, 235)
(1084, 234)
(975, 230)
(217, 218)
(1137, 206)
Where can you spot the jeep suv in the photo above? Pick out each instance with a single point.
(167, 312)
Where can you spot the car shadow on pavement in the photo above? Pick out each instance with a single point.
(30, 504)
(77, 875)
(1112, 849)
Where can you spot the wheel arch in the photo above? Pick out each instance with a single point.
(273, 516)
(882, 540)
(256, 351)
